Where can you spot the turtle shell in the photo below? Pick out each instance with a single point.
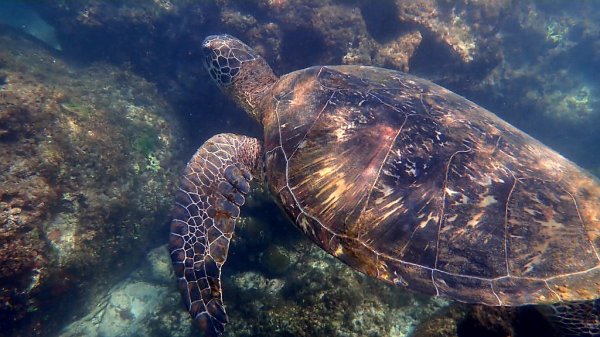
(413, 184)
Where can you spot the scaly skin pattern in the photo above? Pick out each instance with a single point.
(238, 70)
(576, 319)
(415, 185)
(210, 193)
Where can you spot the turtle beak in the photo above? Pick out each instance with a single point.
(206, 44)
(208, 49)
(214, 42)
(208, 39)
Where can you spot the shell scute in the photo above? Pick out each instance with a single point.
(413, 184)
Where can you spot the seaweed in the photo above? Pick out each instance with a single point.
(146, 141)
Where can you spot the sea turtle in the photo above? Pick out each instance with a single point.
(394, 175)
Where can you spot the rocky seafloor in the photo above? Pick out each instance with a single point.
(97, 118)
(87, 171)
(277, 283)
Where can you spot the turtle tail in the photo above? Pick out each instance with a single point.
(208, 202)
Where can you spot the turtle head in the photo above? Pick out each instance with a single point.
(238, 70)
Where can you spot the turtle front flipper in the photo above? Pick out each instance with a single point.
(210, 192)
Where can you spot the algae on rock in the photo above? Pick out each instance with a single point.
(72, 206)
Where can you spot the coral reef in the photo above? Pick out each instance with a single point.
(72, 203)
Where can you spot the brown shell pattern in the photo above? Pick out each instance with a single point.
(413, 184)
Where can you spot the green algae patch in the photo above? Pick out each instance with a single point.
(578, 102)
(146, 141)
(153, 163)
(78, 108)
(575, 106)
(556, 31)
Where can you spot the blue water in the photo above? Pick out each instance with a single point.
(536, 65)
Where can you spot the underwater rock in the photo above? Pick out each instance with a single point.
(467, 320)
(274, 28)
(123, 313)
(451, 29)
(253, 234)
(443, 323)
(318, 296)
(87, 169)
(275, 261)
(462, 26)
(395, 54)
(545, 82)
(250, 283)
(126, 309)
(157, 267)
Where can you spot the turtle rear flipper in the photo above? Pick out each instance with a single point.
(210, 192)
(575, 319)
